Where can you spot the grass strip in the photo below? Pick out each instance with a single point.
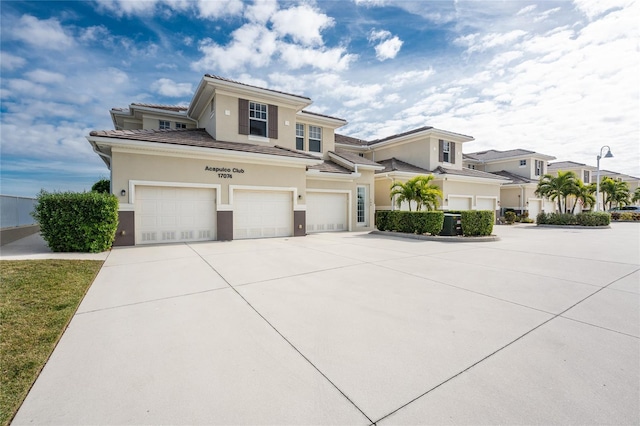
(37, 300)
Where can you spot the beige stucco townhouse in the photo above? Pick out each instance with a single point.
(522, 169)
(238, 162)
(427, 151)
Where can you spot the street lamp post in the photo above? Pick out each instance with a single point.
(607, 155)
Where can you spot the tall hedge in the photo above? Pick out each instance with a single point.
(410, 222)
(477, 222)
(77, 222)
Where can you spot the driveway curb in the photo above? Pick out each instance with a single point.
(452, 239)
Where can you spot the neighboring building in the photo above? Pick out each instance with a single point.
(426, 151)
(522, 170)
(632, 181)
(239, 162)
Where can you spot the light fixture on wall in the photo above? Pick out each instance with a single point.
(300, 197)
(446, 200)
(123, 192)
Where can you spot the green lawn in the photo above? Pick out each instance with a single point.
(37, 300)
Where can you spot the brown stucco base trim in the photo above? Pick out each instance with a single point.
(299, 223)
(126, 233)
(225, 225)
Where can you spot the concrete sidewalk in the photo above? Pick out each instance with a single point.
(34, 247)
(541, 327)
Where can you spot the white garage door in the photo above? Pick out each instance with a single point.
(534, 208)
(485, 204)
(169, 215)
(459, 203)
(326, 212)
(262, 214)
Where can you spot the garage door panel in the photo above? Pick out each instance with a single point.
(459, 203)
(485, 204)
(327, 212)
(166, 215)
(262, 214)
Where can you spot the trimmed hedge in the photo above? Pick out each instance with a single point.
(625, 216)
(580, 219)
(477, 222)
(410, 222)
(77, 222)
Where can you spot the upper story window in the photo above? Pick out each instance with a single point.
(315, 139)
(539, 167)
(300, 136)
(523, 163)
(446, 155)
(165, 125)
(586, 176)
(257, 119)
(471, 166)
(360, 155)
(181, 125)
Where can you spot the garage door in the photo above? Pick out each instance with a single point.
(534, 208)
(485, 204)
(262, 214)
(459, 203)
(326, 212)
(169, 215)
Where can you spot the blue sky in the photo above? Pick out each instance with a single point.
(556, 77)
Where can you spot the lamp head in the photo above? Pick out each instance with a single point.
(608, 154)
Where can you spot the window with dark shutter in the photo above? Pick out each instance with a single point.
(441, 151)
(243, 116)
(452, 153)
(273, 122)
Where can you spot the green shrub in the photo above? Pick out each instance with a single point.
(410, 222)
(510, 217)
(594, 219)
(625, 216)
(477, 222)
(103, 186)
(77, 222)
(556, 219)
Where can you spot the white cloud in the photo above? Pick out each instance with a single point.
(525, 10)
(477, 43)
(411, 77)
(594, 8)
(43, 34)
(26, 87)
(11, 62)
(303, 23)
(389, 45)
(169, 88)
(219, 8)
(261, 11)
(324, 59)
(44, 76)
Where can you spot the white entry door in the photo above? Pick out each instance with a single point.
(326, 212)
(174, 214)
(262, 214)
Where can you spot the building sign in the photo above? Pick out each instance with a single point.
(224, 172)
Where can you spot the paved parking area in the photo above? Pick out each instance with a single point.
(541, 327)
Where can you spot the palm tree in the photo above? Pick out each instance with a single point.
(558, 188)
(614, 192)
(636, 195)
(418, 189)
(584, 195)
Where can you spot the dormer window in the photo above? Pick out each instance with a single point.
(586, 178)
(165, 125)
(300, 136)
(523, 163)
(181, 125)
(539, 167)
(447, 152)
(257, 119)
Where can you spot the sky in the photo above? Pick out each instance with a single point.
(556, 77)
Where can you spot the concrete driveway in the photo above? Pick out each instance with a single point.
(541, 327)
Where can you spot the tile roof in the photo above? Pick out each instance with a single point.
(216, 77)
(559, 165)
(198, 138)
(395, 165)
(348, 140)
(410, 132)
(330, 167)
(466, 172)
(175, 108)
(355, 158)
(514, 178)
(493, 154)
(322, 115)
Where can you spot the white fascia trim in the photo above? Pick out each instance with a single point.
(453, 137)
(160, 112)
(327, 121)
(155, 148)
(348, 147)
(342, 161)
(470, 179)
(292, 189)
(134, 183)
(236, 89)
(318, 175)
(369, 167)
(400, 175)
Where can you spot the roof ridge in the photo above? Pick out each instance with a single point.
(228, 80)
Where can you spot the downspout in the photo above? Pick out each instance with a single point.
(393, 200)
(521, 199)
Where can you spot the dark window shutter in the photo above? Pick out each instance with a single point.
(441, 151)
(273, 122)
(243, 116)
(452, 153)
